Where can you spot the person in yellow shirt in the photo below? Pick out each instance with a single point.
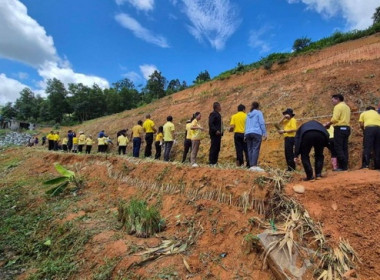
(159, 142)
(122, 142)
(196, 135)
(187, 142)
(81, 141)
(50, 138)
(289, 130)
(101, 144)
(89, 143)
(168, 137)
(56, 140)
(237, 125)
(136, 135)
(65, 140)
(334, 160)
(75, 143)
(149, 129)
(341, 121)
(370, 124)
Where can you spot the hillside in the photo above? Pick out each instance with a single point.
(214, 218)
(305, 83)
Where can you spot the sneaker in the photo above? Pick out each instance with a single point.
(195, 165)
(319, 177)
(256, 169)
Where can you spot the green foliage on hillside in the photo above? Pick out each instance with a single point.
(303, 46)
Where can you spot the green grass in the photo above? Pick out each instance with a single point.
(104, 272)
(29, 237)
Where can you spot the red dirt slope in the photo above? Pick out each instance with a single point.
(348, 206)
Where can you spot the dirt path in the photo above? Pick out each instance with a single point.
(347, 205)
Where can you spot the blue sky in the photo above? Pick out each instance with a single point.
(103, 41)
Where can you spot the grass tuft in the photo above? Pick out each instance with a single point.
(140, 219)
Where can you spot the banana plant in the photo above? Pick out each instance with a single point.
(61, 182)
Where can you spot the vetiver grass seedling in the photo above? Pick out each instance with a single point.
(138, 218)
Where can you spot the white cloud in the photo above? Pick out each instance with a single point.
(357, 13)
(66, 75)
(139, 31)
(133, 76)
(255, 39)
(147, 70)
(9, 89)
(24, 40)
(144, 5)
(213, 20)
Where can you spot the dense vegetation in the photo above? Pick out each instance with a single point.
(78, 102)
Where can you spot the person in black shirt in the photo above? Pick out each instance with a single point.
(311, 134)
(216, 133)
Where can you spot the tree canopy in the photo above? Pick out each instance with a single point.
(301, 43)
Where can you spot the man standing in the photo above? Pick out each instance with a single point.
(255, 132)
(187, 141)
(149, 128)
(238, 127)
(311, 134)
(168, 137)
(56, 139)
(136, 135)
(50, 138)
(289, 131)
(70, 136)
(216, 132)
(81, 141)
(370, 124)
(122, 142)
(341, 121)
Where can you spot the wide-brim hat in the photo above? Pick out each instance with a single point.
(289, 111)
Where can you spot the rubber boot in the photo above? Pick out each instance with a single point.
(334, 163)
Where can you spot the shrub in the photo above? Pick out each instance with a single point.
(138, 218)
(301, 43)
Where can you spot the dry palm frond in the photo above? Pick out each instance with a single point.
(337, 261)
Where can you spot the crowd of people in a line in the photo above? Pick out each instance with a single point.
(249, 131)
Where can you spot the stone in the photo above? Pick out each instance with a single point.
(299, 189)
(14, 138)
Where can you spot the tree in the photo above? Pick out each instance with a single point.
(57, 100)
(8, 111)
(301, 43)
(26, 106)
(376, 16)
(155, 87)
(79, 102)
(173, 86)
(202, 77)
(130, 97)
(184, 85)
